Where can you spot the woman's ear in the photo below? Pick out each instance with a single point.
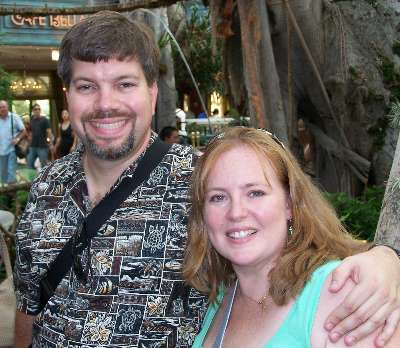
(289, 210)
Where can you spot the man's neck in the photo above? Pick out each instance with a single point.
(102, 174)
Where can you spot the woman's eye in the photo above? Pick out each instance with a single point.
(256, 193)
(216, 198)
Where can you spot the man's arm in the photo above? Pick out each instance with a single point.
(23, 330)
(374, 300)
(49, 134)
(21, 135)
(328, 302)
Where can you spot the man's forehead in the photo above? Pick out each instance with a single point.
(110, 60)
(110, 67)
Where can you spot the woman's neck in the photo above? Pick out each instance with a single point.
(253, 282)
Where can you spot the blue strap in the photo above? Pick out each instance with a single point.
(222, 328)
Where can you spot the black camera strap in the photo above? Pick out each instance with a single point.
(97, 217)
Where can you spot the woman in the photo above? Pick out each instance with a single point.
(66, 140)
(261, 230)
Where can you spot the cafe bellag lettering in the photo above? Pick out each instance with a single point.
(53, 21)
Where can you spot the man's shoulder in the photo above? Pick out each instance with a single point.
(183, 150)
(61, 170)
(14, 115)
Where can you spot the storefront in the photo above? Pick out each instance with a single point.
(29, 50)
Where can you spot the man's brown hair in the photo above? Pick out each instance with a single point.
(109, 35)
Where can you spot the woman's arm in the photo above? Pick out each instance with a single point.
(327, 303)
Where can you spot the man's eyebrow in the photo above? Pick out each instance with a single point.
(117, 78)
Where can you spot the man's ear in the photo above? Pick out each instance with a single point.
(154, 93)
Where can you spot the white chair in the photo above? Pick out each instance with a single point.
(7, 296)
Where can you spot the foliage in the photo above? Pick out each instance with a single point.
(360, 215)
(8, 203)
(396, 48)
(197, 45)
(394, 114)
(5, 83)
(378, 132)
(391, 76)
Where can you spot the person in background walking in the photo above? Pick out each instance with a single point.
(66, 139)
(41, 138)
(11, 132)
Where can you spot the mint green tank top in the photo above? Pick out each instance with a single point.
(295, 331)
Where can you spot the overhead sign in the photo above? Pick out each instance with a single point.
(37, 30)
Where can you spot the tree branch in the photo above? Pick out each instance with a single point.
(43, 11)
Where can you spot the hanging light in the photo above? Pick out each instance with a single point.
(25, 83)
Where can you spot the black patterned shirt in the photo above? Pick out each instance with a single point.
(135, 296)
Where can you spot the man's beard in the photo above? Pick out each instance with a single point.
(110, 153)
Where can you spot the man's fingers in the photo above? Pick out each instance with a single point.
(388, 329)
(339, 276)
(350, 304)
(365, 320)
(370, 325)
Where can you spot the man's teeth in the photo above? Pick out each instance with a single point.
(109, 125)
(241, 234)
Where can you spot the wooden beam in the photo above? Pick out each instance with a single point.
(44, 11)
(12, 188)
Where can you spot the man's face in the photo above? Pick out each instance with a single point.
(36, 111)
(111, 107)
(3, 109)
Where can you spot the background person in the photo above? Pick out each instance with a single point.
(9, 137)
(66, 139)
(170, 135)
(260, 229)
(41, 138)
(215, 113)
(131, 291)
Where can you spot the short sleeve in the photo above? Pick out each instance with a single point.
(26, 279)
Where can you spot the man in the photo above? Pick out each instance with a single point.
(41, 138)
(10, 135)
(134, 294)
(170, 135)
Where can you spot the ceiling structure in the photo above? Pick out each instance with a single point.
(34, 58)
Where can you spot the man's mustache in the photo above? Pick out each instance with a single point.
(99, 115)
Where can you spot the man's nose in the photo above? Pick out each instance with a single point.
(107, 100)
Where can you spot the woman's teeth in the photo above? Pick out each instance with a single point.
(240, 234)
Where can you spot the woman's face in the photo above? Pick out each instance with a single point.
(246, 215)
(65, 115)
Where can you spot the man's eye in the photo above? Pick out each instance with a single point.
(127, 84)
(256, 193)
(84, 88)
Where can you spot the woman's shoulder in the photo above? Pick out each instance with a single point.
(328, 301)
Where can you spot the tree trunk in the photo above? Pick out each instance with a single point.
(388, 231)
(261, 76)
(166, 101)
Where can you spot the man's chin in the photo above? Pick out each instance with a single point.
(107, 153)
